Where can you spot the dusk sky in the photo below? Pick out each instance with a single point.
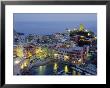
(48, 23)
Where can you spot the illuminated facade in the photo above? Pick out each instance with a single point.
(75, 55)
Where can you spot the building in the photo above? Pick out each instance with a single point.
(75, 38)
(19, 38)
(75, 55)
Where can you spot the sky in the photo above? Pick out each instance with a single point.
(48, 23)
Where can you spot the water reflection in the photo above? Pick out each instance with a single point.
(56, 68)
(74, 72)
(66, 69)
(40, 70)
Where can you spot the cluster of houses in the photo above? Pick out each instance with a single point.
(66, 47)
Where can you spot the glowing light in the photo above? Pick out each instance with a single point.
(74, 29)
(66, 69)
(55, 66)
(39, 50)
(17, 61)
(88, 34)
(22, 66)
(86, 30)
(69, 30)
(68, 45)
(25, 64)
(79, 60)
(95, 37)
(55, 55)
(82, 39)
(19, 52)
(82, 36)
(40, 68)
(41, 53)
(29, 54)
(66, 57)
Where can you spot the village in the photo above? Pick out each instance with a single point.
(75, 50)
